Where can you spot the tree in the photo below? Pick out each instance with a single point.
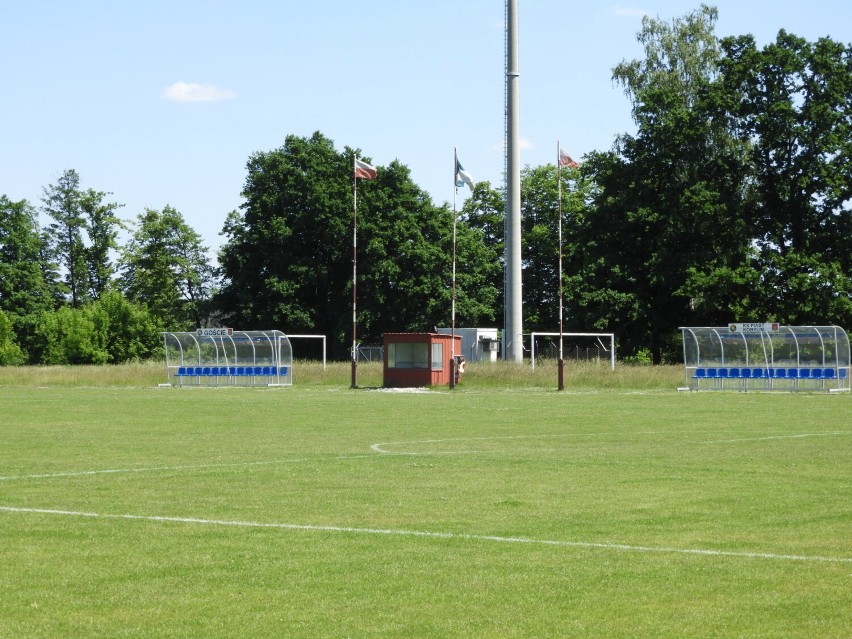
(23, 289)
(102, 226)
(669, 198)
(28, 281)
(165, 267)
(288, 259)
(790, 101)
(62, 205)
(483, 214)
(83, 232)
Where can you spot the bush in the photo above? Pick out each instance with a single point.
(10, 353)
(110, 330)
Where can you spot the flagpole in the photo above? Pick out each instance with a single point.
(561, 373)
(354, 272)
(453, 313)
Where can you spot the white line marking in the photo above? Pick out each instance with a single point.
(431, 535)
(154, 469)
(380, 447)
(761, 439)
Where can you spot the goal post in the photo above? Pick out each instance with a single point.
(600, 337)
(322, 337)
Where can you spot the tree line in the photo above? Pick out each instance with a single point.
(732, 201)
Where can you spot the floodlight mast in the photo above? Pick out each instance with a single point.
(354, 360)
(513, 332)
(560, 375)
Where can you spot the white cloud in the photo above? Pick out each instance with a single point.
(192, 92)
(628, 12)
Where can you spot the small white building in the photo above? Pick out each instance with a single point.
(477, 344)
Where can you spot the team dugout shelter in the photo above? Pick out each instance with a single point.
(227, 357)
(766, 356)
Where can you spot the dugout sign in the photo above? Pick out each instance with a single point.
(214, 332)
(753, 327)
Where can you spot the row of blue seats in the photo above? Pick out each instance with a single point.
(230, 371)
(770, 373)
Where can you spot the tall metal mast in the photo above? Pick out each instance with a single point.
(513, 347)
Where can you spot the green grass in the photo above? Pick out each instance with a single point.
(543, 514)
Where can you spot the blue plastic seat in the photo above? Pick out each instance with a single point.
(804, 373)
(816, 373)
(734, 373)
(700, 373)
(745, 373)
(792, 373)
(843, 373)
(712, 373)
(759, 373)
(829, 373)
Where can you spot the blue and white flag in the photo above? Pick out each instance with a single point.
(462, 176)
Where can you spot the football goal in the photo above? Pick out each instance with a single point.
(575, 346)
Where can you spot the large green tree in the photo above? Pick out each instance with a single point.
(288, 260)
(81, 235)
(23, 289)
(28, 280)
(791, 102)
(668, 202)
(61, 203)
(102, 228)
(165, 266)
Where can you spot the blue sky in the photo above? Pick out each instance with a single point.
(163, 101)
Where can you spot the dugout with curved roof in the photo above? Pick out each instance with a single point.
(766, 356)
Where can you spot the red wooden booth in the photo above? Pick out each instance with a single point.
(418, 359)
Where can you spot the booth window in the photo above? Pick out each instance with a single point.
(437, 356)
(408, 355)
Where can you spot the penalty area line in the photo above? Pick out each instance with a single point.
(430, 535)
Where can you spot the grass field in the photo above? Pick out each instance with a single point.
(617, 509)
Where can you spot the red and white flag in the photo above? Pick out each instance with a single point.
(364, 170)
(567, 160)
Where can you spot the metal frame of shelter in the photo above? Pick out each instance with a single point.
(766, 357)
(225, 357)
